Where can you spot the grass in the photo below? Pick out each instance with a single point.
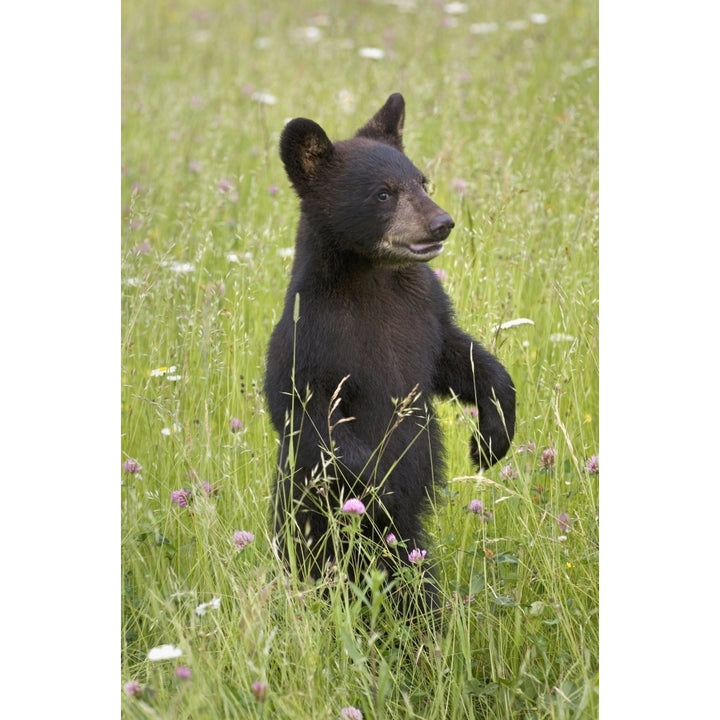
(505, 123)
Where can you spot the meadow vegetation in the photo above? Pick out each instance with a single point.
(502, 115)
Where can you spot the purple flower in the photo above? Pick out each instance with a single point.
(210, 489)
(527, 448)
(194, 166)
(260, 689)
(225, 185)
(131, 466)
(593, 465)
(235, 425)
(459, 185)
(508, 472)
(441, 274)
(242, 539)
(183, 672)
(391, 540)
(181, 497)
(547, 459)
(273, 190)
(563, 521)
(350, 713)
(353, 506)
(417, 556)
(476, 506)
(132, 688)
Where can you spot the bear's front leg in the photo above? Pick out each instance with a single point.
(476, 376)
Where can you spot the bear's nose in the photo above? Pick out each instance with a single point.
(441, 225)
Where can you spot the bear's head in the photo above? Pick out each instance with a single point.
(364, 195)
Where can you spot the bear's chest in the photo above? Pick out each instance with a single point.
(386, 336)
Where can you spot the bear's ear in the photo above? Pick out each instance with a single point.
(304, 150)
(386, 126)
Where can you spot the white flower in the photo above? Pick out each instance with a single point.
(171, 430)
(162, 370)
(560, 337)
(372, 53)
(202, 608)
(538, 18)
(483, 28)
(164, 652)
(264, 98)
(287, 252)
(513, 323)
(455, 8)
(346, 101)
(181, 268)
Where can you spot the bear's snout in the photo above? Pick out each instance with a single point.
(440, 226)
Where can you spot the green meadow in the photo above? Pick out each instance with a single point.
(502, 115)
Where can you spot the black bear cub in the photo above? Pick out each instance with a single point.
(367, 338)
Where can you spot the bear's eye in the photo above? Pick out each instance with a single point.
(383, 196)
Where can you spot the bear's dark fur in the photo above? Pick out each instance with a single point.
(366, 339)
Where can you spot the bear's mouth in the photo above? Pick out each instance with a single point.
(426, 250)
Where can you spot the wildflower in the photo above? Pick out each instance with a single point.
(235, 425)
(459, 185)
(210, 489)
(593, 465)
(476, 506)
(563, 521)
(353, 506)
(183, 672)
(194, 166)
(472, 412)
(483, 28)
(225, 185)
(350, 713)
(456, 8)
(260, 689)
(273, 190)
(508, 472)
(181, 268)
(560, 337)
(196, 101)
(264, 98)
(202, 608)
(163, 370)
(180, 497)
(132, 688)
(391, 539)
(527, 448)
(538, 18)
(547, 459)
(131, 466)
(513, 323)
(372, 53)
(164, 652)
(441, 274)
(242, 539)
(346, 100)
(167, 431)
(417, 556)
(288, 252)
(516, 24)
